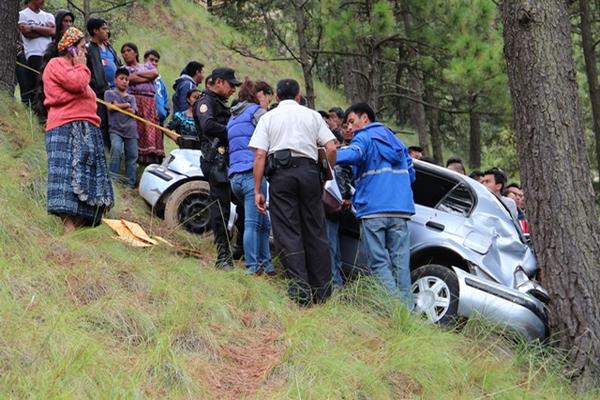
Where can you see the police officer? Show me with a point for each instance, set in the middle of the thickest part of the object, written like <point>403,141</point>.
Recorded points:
<point>211,114</point>
<point>289,135</point>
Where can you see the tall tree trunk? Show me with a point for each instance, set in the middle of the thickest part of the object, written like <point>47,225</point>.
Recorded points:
<point>9,11</point>
<point>474,136</point>
<point>591,71</point>
<point>415,83</point>
<point>305,59</point>
<point>209,6</point>
<point>556,175</point>
<point>433,115</point>
<point>87,11</point>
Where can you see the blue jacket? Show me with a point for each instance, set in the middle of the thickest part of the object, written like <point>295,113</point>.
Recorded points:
<point>240,128</point>
<point>162,100</point>
<point>383,171</point>
<point>181,87</point>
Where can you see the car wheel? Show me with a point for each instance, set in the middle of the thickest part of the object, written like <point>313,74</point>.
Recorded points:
<point>187,206</point>
<point>435,291</point>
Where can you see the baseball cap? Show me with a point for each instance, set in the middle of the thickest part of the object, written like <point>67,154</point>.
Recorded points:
<point>227,74</point>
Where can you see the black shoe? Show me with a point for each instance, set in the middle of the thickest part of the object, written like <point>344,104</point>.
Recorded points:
<point>237,253</point>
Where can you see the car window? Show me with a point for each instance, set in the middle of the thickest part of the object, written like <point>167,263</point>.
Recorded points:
<point>429,189</point>
<point>459,201</point>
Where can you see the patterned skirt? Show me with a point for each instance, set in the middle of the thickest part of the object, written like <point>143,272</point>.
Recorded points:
<point>78,182</point>
<point>150,142</point>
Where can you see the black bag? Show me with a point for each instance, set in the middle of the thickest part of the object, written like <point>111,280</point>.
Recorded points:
<point>281,159</point>
<point>218,170</point>
<point>214,166</point>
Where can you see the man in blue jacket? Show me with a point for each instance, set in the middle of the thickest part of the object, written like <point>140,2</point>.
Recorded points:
<point>383,172</point>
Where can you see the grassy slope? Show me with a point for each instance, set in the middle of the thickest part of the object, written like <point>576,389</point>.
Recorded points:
<point>188,32</point>
<point>84,316</point>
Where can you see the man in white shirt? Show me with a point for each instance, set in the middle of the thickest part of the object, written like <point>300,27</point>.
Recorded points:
<point>37,28</point>
<point>289,135</point>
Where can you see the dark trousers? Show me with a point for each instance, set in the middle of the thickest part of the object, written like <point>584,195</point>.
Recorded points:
<point>29,84</point>
<point>102,112</point>
<point>22,77</point>
<point>298,221</point>
<point>220,197</point>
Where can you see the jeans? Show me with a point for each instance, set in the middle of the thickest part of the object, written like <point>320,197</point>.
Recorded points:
<point>118,146</point>
<point>257,226</point>
<point>386,242</point>
<point>334,251</point>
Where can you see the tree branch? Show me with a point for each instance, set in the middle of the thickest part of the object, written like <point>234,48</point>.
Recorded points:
<point>113,7</point>
<point>434,106</point>
<point>284,43</point>
<point>70,3</point>
<point>244,52</point>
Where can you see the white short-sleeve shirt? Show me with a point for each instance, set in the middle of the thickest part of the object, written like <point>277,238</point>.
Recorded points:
<point>36,46</point>
<point>291,126</point>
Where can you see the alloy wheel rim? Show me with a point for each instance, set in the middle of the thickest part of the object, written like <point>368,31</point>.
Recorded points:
<point>432,297</point>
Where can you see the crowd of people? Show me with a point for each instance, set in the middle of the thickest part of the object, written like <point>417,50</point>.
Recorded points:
<point>244,145</point>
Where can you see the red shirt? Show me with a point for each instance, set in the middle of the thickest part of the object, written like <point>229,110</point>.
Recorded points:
<point>69,96</point>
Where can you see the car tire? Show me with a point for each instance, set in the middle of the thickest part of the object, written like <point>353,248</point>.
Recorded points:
<point>435,290</point>
<point>187,207</point>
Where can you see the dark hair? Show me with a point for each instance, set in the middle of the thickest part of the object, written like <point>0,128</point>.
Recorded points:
<point>151,52</point>
<point>287,89</point>
<point>191,68</point>
<point>58,22</point>
<point>262,86</point>
<point>513,185</point>
<point>247,91</point>
<point>93,24</point>
<point>454,160</point>
<point>208,81</point>
<point>191,92</point>
<point>133,47</point>
<point>323,113</point>
<point>415,148</point>
<point>121,71</point>
<point>338,111</point>
<point>476,174</point>
<point>499,176</point>
<point>360,109</point>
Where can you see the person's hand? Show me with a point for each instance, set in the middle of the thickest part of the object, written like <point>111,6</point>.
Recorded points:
<point>79,58</point>
<point>261,203</point>
<point>26,28</point>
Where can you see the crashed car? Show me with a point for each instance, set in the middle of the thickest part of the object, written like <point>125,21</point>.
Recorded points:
<point>468,255</point>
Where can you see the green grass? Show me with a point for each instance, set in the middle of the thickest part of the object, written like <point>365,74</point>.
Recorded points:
<point>188,32</point>
<point>85,316</point>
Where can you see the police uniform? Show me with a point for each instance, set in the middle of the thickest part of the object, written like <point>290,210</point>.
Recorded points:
<point>211,114</point>
<point>296,210</point>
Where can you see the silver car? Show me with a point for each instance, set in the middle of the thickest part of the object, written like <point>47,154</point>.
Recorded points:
<point>468,256</point>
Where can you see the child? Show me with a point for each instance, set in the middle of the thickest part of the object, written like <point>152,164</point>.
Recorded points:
<point>122,129</point>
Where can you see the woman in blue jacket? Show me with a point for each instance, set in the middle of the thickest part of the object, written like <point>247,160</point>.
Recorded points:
<point>254,98</point>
